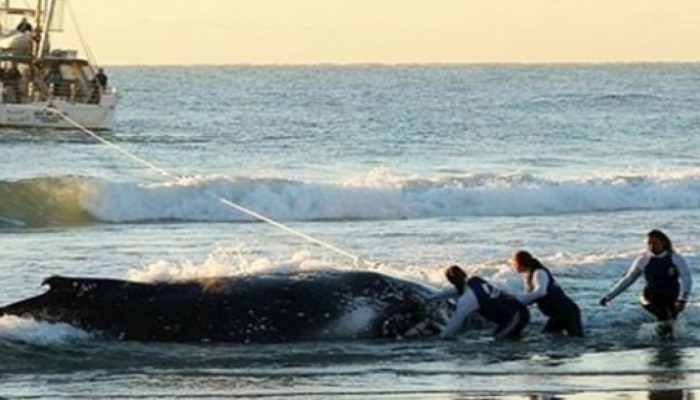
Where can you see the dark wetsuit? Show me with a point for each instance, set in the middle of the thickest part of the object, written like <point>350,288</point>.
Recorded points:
<point>24,26</point>
<point>662,288</point>
<point>563,313</point>
<point>101,79</point>
<point>506,311</point>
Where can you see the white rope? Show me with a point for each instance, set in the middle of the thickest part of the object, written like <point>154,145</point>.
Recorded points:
<point>356,260</point>
<point>110,144</point>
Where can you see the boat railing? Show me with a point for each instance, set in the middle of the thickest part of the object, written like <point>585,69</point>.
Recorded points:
<point>73,92</point>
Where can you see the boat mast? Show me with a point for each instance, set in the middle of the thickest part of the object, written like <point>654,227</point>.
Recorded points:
<point>44,15</point>
<point>36,40</point>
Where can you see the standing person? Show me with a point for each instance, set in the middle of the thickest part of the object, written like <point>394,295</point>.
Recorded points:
<point>55,82</point>
<point>668,281</point>
<point>476,294</point>
<point>101,79</point>
<point>11,81</point>
<point>99,85</point>
<point>541,288</point>
<point>24,26</point>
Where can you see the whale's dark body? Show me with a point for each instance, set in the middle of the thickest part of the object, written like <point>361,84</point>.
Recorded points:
<point>263,308</point>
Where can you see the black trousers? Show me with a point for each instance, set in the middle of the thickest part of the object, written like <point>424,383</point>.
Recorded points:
<point>512,328</point>
<point>565,316</point>
<point>662,307</point>
<point>569,322</point>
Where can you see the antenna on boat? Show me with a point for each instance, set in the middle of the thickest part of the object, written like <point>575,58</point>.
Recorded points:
<point>357,260</point>
<point>41,28</point>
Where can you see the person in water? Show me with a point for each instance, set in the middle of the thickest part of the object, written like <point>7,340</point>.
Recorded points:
<point>668,281</point>
<point>476,294</point>
<point>542,289</point>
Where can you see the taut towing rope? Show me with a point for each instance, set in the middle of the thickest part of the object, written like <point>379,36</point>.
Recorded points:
<point>358,261</point>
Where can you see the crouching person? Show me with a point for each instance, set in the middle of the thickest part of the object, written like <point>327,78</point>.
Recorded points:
<point>475,294</point>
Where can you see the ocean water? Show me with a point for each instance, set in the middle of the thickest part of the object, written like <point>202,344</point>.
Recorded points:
<point>400,169</point>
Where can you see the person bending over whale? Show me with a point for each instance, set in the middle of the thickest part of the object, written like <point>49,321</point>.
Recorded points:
<point>476,294</point>
<point>668,281</point>
<point>542,289</point>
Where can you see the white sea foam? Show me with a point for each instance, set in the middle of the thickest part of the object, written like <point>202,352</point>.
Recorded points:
<point>226,262</point>
<point>28,330</point>
<point>356,320</point>
<point>387,196</point>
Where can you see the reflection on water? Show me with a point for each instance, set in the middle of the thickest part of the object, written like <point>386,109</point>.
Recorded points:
<point>669,395</point>
<point>666,371</point>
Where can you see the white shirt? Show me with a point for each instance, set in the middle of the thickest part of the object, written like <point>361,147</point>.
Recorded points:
<point>467,303</point>
<point>540,279</point>
<point>637,269</point>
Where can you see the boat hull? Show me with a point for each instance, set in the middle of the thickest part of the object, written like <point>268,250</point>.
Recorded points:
<point>49,114</point>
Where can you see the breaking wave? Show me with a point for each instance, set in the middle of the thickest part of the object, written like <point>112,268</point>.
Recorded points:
<point>75,200</point>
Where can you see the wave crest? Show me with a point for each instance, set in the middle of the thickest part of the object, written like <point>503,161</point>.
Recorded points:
<point>58,201</point>
<point>45,201</point>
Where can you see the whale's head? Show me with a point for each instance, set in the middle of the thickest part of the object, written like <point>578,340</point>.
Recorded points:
<point>415,318</point>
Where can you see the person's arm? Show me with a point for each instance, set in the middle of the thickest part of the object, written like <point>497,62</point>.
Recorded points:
<point>466,305</point>
<point>447,292</point>
<point>541,283</point>
<point>686,279</point>
<point>634,272</point>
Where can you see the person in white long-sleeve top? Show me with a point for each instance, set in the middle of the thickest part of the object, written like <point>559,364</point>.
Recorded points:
<point>476,294</point>
<point>668,281</point>
<point>542,289</point>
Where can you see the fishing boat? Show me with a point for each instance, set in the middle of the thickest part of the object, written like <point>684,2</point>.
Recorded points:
<point>43,85</point>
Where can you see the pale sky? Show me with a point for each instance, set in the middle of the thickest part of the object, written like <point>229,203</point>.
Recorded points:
<point>387,31</point>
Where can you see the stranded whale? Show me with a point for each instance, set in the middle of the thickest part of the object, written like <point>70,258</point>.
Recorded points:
<point>258,308</point>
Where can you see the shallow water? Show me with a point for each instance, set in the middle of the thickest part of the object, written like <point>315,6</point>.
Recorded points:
<point>409,169</point>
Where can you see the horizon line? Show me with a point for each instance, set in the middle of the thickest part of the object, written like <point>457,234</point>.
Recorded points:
<point>402,64</point>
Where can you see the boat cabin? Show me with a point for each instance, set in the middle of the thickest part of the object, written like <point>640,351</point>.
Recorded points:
<point>58,75</point>
<point>36,75</point>
<point>28,75</point>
